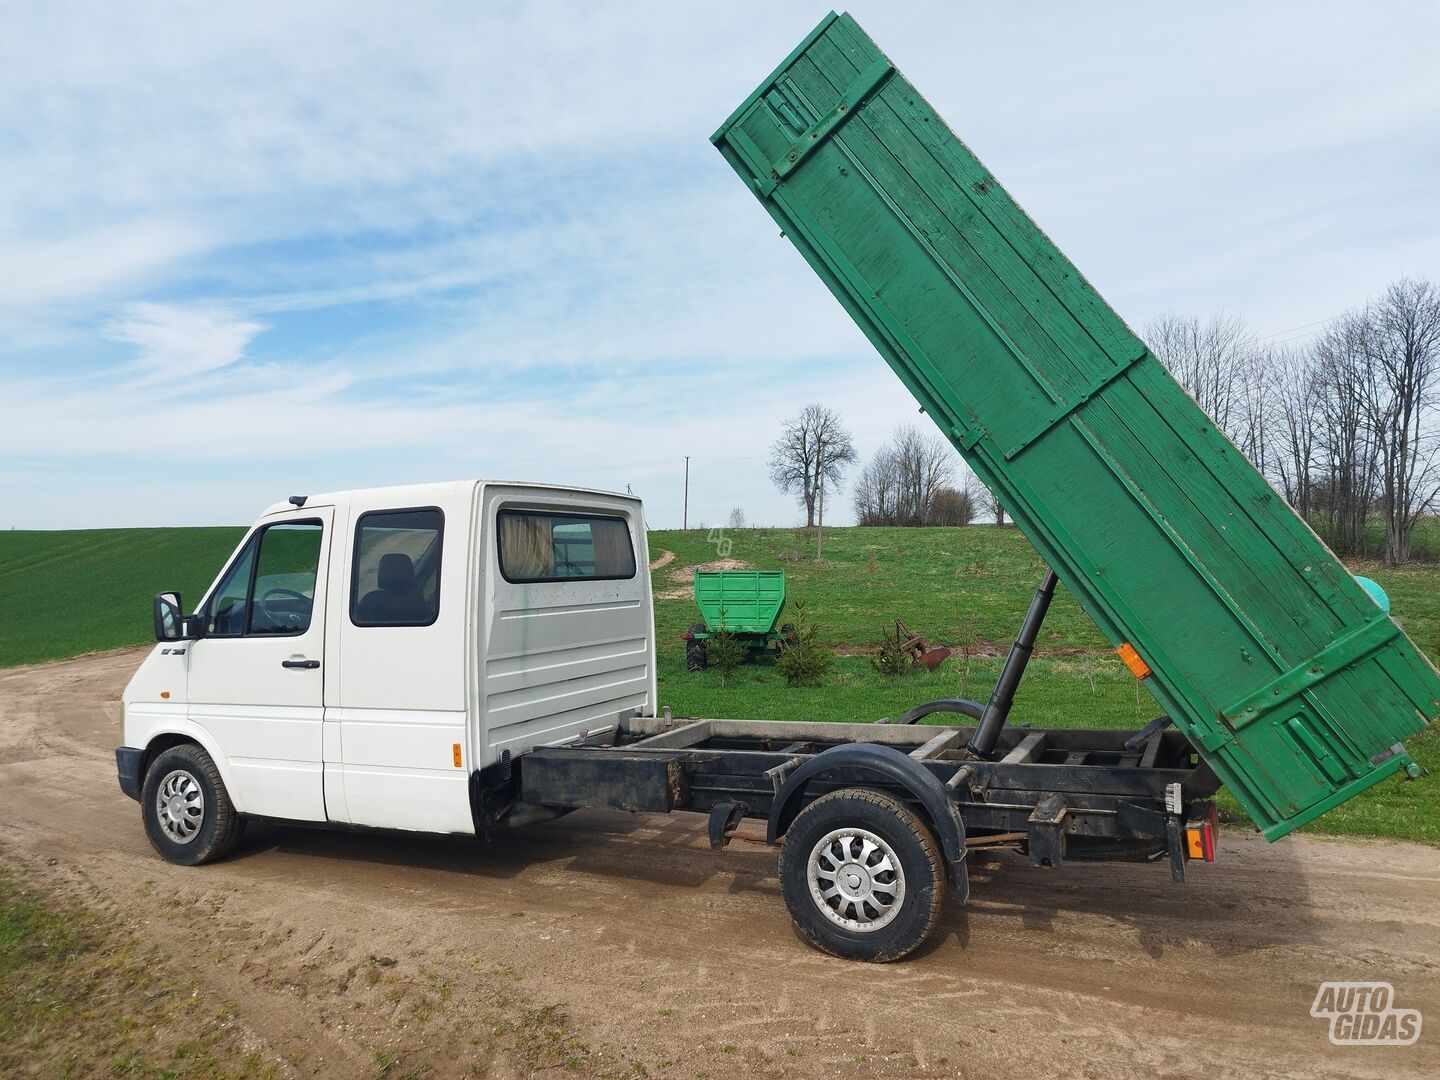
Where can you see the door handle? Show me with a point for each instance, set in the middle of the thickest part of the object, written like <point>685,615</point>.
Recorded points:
<point>306,664</point>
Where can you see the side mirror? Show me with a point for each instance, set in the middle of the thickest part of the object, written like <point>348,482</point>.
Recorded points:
<point>168,616</point>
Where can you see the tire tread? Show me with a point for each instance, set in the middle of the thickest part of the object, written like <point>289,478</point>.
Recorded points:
<point>229,826</point>
<point>913,827</point>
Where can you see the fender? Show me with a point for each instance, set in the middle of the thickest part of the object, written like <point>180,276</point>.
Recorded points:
<point>894,767</point>
<point>187,729</point>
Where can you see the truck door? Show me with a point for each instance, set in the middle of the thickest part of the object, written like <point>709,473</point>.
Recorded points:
<point>256,680</point>
<point>396,730</point>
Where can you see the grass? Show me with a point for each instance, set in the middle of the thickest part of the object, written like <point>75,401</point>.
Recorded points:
<point>79,999</point>
<point>970,587</point>
<point>66,593</point>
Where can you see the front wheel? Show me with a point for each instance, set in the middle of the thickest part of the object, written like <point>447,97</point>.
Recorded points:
<point>862,876</point>
<point>188,814</point>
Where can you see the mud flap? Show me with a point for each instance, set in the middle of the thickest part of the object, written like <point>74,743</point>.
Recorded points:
<point>724,818</point>
<point>1175,838</point>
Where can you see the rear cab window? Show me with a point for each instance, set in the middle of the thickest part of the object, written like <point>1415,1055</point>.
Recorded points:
<point>547,545</point>
<point>395,580</point>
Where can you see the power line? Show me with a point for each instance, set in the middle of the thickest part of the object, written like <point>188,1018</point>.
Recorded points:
<point>1293,329</point>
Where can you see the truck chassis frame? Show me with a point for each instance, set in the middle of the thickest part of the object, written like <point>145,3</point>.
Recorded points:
<point>1051,793</point>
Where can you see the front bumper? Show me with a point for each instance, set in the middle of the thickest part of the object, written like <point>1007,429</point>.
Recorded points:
<point>128,763</point>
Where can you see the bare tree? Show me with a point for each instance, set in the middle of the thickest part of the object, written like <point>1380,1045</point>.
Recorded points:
<point>1296,434</point>
<point>925,463</point>
<point>986,500</point>
<point>1345,488</point>
<point>899,485</point>
<point>1225,370</point>
<point>813,452</point>
<point>737,518</point>
<point>953,506</point>
<point>1403,348</point>
<point>877,492</point>
<point>1348,428</point>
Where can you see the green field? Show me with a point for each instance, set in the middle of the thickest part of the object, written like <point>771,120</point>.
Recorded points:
<point>66,593</point>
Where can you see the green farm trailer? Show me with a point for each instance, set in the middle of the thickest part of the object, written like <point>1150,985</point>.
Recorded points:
<point>1280,670</point>
<point>745,604</point>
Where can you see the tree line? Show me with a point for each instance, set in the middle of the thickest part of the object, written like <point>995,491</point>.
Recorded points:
<point>1345,426</point>
<point>915,478</point>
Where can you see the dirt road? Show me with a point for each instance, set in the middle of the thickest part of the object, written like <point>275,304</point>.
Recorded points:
<point>344,953</point>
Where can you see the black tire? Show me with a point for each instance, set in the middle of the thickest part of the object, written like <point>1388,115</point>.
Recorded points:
<point>695,658</point>
<point>921,874</point>
<point>213,826</point>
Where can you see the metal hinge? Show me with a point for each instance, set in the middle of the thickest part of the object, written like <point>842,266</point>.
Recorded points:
<point>869,81</point>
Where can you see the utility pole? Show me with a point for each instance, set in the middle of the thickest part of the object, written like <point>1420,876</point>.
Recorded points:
<point>820,514</point>
<point>685,513</point>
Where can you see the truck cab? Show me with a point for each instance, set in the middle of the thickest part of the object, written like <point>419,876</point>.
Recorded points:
<point>365,656</point>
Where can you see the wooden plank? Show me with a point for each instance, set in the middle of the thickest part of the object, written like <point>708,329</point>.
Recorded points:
<point>612,778</point>
<point>1028,749</point>
<point>1061,277</point>
<point>898,178</point>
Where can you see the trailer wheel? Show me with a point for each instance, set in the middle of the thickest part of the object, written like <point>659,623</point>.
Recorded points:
<point>188,813</point>
<point>862,876</point>
<point>695,659</point>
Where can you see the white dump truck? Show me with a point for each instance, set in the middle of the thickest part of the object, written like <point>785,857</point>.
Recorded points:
<point>462,657</point>
<point>459,657</point>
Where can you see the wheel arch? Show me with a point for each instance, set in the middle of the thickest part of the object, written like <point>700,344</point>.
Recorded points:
<point>179,735</point>
<point>890,765</point>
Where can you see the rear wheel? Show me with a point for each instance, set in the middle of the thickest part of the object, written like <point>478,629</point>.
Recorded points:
<point>862,876</point>
<point>188,814</point>
<point>695,658</point>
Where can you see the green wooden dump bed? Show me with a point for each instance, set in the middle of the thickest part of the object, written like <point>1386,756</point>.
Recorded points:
<point>1284,674</point>
<point>740,601</point>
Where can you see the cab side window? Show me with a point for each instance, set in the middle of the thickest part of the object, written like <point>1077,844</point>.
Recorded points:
<point>284,590</point>
<point>270,588</point>
<point>396,576</point>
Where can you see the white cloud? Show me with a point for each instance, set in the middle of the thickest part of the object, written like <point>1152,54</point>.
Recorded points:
<point>469,227</point>
<point>182,343</point>
<point>52,276</point>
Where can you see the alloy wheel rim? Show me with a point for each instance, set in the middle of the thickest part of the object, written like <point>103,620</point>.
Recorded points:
<point>856,880</point>
<point>180,806</point>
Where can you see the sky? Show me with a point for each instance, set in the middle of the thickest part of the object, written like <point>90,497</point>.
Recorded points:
<point>255,250</point>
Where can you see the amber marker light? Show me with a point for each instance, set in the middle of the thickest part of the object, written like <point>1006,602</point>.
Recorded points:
<point>1132,660</point>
